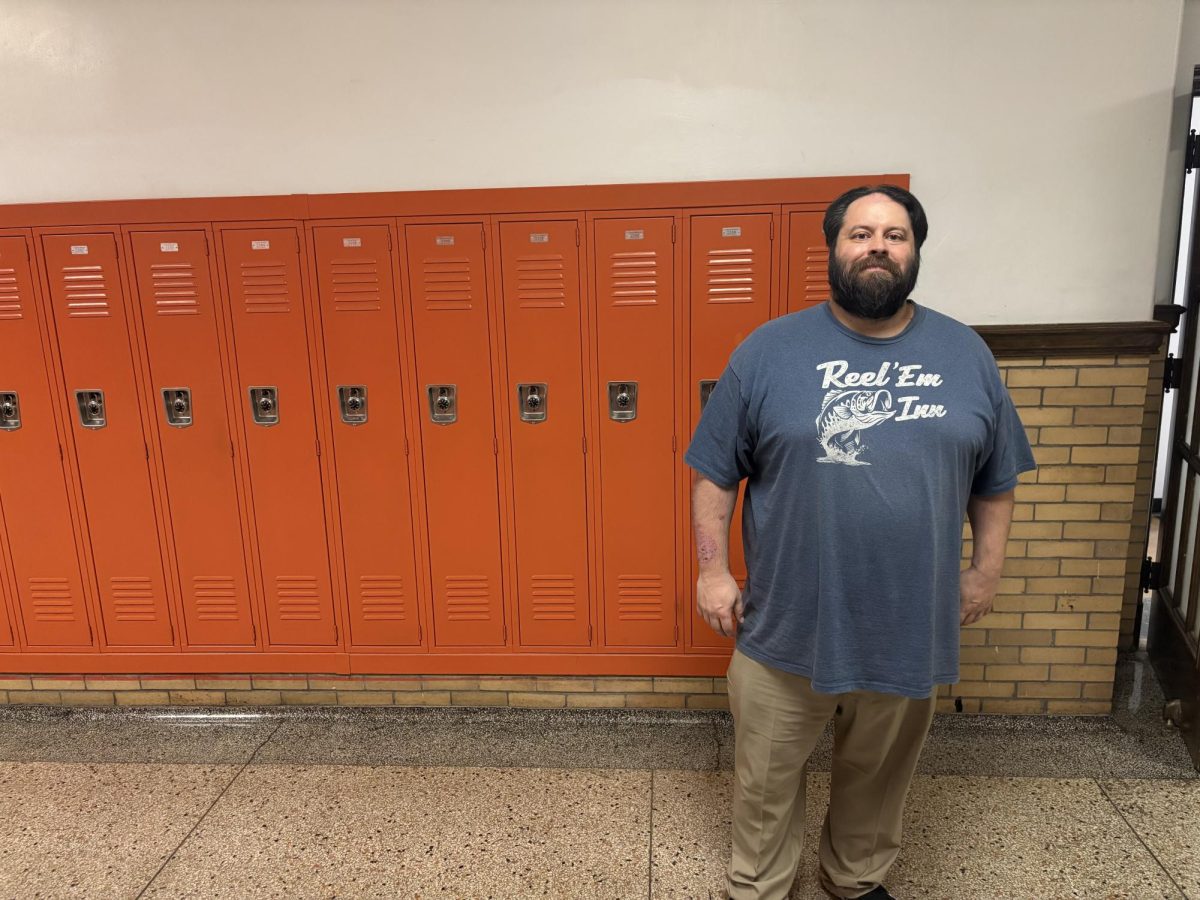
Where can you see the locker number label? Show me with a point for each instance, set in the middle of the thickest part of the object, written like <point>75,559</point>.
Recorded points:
<point>539,237</point>
<point>79,249</point>
<point>351,242</point>
<point>732,231</point>
<point>636,234</point>
<point>260,245</point>
<point>445,240</point>
<point>168,247</point>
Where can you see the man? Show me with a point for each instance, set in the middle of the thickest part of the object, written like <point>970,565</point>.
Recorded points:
<point>865,428</point>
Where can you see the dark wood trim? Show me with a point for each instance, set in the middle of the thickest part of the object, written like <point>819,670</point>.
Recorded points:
<point>1087,339</point>
<point>1170,649</point>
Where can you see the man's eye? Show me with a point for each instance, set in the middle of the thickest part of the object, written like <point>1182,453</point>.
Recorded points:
<point>895,236</point>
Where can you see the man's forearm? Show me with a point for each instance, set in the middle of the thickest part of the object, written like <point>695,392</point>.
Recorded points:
<point>991,520</point>
<point>712,509</point>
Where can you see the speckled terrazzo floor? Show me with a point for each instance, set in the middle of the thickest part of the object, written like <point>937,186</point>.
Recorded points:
<point>574,804</point>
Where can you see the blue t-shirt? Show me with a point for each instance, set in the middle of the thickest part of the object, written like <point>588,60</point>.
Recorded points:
<point>859,456</point>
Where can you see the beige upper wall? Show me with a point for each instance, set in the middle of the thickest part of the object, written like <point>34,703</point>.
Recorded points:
<point>1036,131</point>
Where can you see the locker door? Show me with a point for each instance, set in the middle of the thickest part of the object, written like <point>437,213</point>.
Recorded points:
<point>635,294</point>
<point>358,314</point>
<point>6,632</point>
<point>262,268</point>
<point>731,296</point>
<point>808,261</point>
<point>188,398</point>
<point>540,263</point>
<point>448,287</point>
<point>93,336</point>
<point>33,489</point>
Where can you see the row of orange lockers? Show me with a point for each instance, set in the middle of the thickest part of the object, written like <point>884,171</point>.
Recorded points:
<point>379,436</point>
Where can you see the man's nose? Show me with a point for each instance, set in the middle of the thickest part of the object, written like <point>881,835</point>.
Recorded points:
<point>877,246</point>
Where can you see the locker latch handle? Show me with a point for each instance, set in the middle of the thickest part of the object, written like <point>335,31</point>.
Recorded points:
<point>264,405</point>
<point>533,402</point>
<point>622,400</point>
<point>443,403</point>
<point>706,389</point>
<point>177,404</point>
<point>10,411</point>
<point>91,408</point>
<point>352,400</point>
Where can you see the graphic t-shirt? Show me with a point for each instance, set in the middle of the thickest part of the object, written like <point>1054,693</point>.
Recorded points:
<point>859,456</point>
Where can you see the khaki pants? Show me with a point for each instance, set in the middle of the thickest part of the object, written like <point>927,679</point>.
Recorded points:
<point>778,719</point>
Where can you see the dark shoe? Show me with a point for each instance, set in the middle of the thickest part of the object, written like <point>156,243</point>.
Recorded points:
<point>880,893</point>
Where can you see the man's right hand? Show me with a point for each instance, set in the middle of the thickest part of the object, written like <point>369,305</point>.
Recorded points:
<point>719,602</point>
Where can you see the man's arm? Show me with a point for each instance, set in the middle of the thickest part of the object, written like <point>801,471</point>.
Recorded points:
<point>718,598</point>
<point>991,519</point>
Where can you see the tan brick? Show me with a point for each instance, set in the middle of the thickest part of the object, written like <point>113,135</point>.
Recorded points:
<point>1098,691</point>
<point>167,683</point>
<point>365,698</point>
<point>625,685</point>
<point>1078,707</point>
<point>224,683</point>
<point>1092,567</point>
<point>1048,415</point>
<point>1040,377</point>
<point>1025,567</point>
<point>87,698</point>
<point>538,699</point>
<point>654,701</point>
<point>1108,415</point>
<point>1129,396</point>
<point>1120,474</point>
<point>1046,689</point>
<point>1019,362</point>
<point>1112,377</point>
<point>998,621</point>
<point>335,683</point>
<point>1026,396</point>
<point>1088,396</point>
<point>1014,707</point>
<point>1067,512</point>
<point>1068,549</point>
<point>142,698</point>
<point>1012,585</point>
<point>1112,550</point>
<point>1059,585</point>
<point>111,682</point>
<point>1114,531</point>
<point>683,685</point>
<point>35,697</point>
<point>989,654</point>
<point>990,688</point>
<point>1100,493</point>
<point>490,683</point>
<point>972,672</point>
<point>1070,474</point>
<point>15,683</point>
<point>1070,655</point>
<point>1085,603</point>
<point>565,685</point>
<point>308,698</point>
<point>1023,512</point>
<point>1080,673</point>
<point>252,698</point>
<point>1022,672</point>
<point>596,701</point>
<point>1125,435</point>
<point>1101,656</point>
<point>1082,362</point>
<point>971,638</point>
<point>1037,530</point>
<point>1133,359</point>
<point>1081,638</point>
<point>450,683</point>
<point>1055,620</point>
<point>1041,493</point>
<point>1074,435</point>
<point>1123,456</point>
<point>479,698</point>
<point>279,683</point>
<point>1051,456</point>
<point>58,683</point>
<point>707,701</point>
<point>391,683</point>
<point>197,698</point>
<point>421,698</point>
<point>720,685</point>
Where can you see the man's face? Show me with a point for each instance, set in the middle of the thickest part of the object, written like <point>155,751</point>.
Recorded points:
<point>874,264</point>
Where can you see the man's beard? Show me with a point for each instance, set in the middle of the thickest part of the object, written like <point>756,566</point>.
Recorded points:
<point>872,295</point>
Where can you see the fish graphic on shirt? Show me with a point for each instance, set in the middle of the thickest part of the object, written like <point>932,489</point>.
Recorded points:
<point>844,416</point>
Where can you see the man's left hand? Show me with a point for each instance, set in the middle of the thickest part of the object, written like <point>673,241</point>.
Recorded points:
<point>976,590</point>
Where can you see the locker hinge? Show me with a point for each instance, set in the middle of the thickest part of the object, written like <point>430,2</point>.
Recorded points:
<point>771,229</point>
<point>504,632</point>
<point>1172,372</point>
<point>674,444</point>
<point>318,447</point>
<point>1189,157</point>
<point>589,634</point>
<point>1151,575</point>
<point>672,232</point>
<point>585,445</point>
<point>576,235</point>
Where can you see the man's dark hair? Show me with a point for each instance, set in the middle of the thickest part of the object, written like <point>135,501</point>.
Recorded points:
<point>835,215</point>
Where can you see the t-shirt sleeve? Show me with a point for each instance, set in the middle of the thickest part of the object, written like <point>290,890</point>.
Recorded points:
<point>1009,454</point>
<point>722,447</point>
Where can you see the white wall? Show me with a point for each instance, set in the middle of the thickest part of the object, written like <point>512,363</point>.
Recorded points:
<point>1036,131</point>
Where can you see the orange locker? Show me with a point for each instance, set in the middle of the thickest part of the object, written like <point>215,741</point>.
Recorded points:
<point>731,278</point>
<point>93,337</point>
<point>808,261</point>
<point>542,325</point>
<point>449,299</point>
<point>188,396</point>
<point>359,324</point>
<point>262,269</point>
<point>635,314</point>
<point>6,632</point>
<point>49,597</point>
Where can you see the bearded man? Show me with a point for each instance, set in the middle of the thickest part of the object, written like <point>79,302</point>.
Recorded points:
<point>865,429</point>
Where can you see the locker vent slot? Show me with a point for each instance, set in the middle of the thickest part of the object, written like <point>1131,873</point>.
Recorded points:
<point>298,598</point>
<point>265,288</point>
<point>85,291</point>
<point>467,598</point>
<point>382,598</point>
<point>447,283</point>
<point>552,598</point>
<point>816,274</point>
<point>133,599</point>
<point>731,276</point>
<point>10,300</point>
<point>174,287</point>
<point>216,598</point>
<point>541,281</point>
<point>635,278</point>
<point>639,598</point>
<point>51,600</point>
<point>355,285</point>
